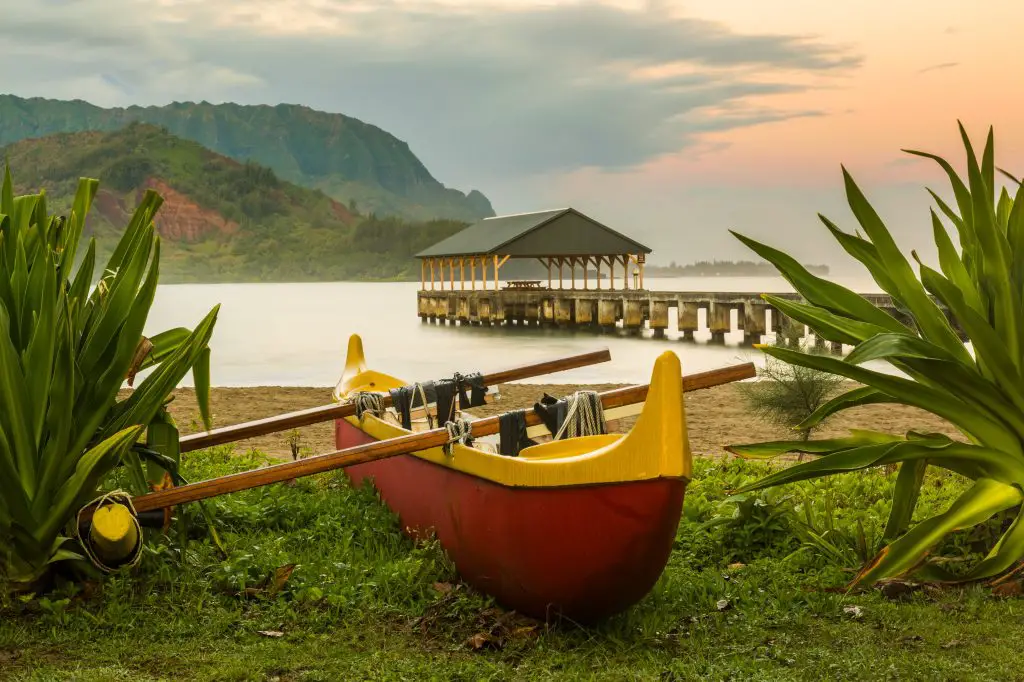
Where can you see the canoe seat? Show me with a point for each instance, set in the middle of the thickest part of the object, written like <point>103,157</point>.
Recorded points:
<point>556,449</point>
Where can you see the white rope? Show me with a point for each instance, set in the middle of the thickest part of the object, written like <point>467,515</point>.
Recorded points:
<point>459,431</point>
<point>585,416</point>
<point>114,496</point>
<point>423,399</point>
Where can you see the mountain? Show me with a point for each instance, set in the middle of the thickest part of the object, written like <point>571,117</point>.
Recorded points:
<point>348,159</point>
<point>222,220</point>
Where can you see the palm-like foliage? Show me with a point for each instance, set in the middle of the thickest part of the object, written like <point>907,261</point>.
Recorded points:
<point>66,348</point>
<point>981,287</point>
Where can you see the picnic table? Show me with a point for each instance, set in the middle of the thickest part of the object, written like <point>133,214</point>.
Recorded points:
<point>523,284</point>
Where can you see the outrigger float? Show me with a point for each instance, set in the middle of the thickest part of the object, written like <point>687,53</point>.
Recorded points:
<point>578,527</point>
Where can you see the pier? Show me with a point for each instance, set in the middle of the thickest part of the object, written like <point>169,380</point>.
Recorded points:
<point>720,313</point>
<point>594,280</point>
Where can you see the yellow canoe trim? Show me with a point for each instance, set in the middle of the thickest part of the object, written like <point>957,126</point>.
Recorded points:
<point>656,447</point>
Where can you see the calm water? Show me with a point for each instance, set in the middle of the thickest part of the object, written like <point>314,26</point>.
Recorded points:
<point>296,334</point>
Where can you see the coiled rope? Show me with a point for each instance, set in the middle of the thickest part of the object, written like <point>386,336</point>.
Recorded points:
<point>119,497</point>
<point>585,416</point>
<point>459,431</point>
<point>366,401</point>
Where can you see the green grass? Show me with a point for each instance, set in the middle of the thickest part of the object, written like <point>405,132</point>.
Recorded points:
<point>364,603</point>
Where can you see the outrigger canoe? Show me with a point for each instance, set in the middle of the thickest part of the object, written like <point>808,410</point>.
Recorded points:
<point>579,528</point>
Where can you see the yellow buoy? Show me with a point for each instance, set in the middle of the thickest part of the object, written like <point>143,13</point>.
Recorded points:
<point>114,534</point>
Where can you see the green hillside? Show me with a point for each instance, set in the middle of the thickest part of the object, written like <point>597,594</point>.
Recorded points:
<point>222,221</point>
<point>348,159</point>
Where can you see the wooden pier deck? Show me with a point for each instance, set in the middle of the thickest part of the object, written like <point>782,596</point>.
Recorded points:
<point>631,310</point>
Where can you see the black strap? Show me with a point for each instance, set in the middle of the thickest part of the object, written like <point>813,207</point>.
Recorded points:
<point>512,433</point>
<point>401,400</point>
<point>552,412</point>
<point>445,398</point>
<point>429,389</point>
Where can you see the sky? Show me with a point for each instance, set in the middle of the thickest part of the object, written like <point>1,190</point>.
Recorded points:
<point>672,121</point>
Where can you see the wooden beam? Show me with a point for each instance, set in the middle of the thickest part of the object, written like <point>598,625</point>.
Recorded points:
<point>431,274</point>
<point>549,273</point>
<point>625,273</point>
<point>440,270</point>
<point>423,274</point>
<point>586,263</point>
<point>462,273</point>
<point>496,266</point>
<point>483,271</point>
<point>611,272</point>
<point>472,272</point>
<point>323,413</point>
<point>451,274</point>
<point>413,442</point>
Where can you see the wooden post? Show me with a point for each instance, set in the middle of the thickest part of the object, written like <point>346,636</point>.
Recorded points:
<point>549,273</point>
<point>451,274</point>
<point>640,259</point>
<point>472,272</point>
<point>483,271</point>
<point>462,273</point>
<point>561,284</point>
<point>586,262</point>
<point>572,265</point>
<point>440,271</point>
<point>611,273</point>
<point>496,266</point>
<point>625,273</point>
<point>423,274</point>
<point>431,274</point>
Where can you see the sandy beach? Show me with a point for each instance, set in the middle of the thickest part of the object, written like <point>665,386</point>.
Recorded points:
<point>716,417</point>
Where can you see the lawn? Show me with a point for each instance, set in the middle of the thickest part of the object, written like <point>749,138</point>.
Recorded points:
<point>319,584</point>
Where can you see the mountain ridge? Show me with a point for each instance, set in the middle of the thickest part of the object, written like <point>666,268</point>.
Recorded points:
<point>222,220</point>
<point>351,160</point>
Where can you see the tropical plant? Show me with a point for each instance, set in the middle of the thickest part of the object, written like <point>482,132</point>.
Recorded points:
<point>979,290</point>
<point>787,394</point>
<point>66,348</point>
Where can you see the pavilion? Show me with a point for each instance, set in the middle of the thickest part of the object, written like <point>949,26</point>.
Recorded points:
<point>557,238</point>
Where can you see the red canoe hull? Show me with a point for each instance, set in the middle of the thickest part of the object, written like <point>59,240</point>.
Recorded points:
<point>583,552</point>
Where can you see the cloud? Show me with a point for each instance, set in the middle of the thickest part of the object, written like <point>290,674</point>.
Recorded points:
<point>938,67</point>
<point>481,92</point>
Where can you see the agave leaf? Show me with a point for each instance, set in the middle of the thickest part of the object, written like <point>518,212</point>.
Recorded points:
<point>13,417</point>
<point>929,318</point>
<point>867,253</point>
<point>985,498</point>
<point>971,420</point>
<point>953,267</point>
<point>92,466</point>
<point>821,292</point>
<point>989,349</point>
<point>904,497</point>
<point>822,446</point>
<point>831,327</point>
<point>863,395</point>
<point>201,379</point>
<point>144,402</point>
<point>84,196</point>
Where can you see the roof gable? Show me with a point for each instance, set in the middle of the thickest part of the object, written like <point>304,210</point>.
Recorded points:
<point>563,231</point>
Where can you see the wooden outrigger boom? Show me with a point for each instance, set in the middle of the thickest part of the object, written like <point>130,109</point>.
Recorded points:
<point>324,413</point>
<point>360,454</point>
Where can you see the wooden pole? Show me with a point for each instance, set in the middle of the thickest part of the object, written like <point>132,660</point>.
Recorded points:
<point>440,273</point>
<point>472,272</point>
<point>549,273</point>
<point>451,274</point>
<point>625,273</point>
<point>483,271</point>
<point>323,413</point>
<point>586,263</point>
<point>597,263</point>
<point>561,279</point>
<point>611,273</point>
<point>401,445</point>
<point>462,273</point>
<point>431,274</point>
<point>423,274</point>
<point>641,259</point>
<point>496,266</point>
